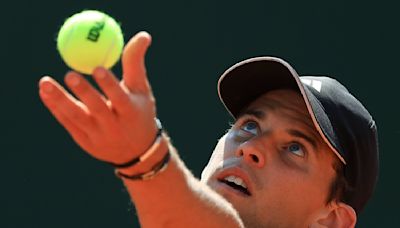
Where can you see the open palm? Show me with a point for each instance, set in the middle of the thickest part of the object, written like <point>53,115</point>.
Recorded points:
<point>116,126</point>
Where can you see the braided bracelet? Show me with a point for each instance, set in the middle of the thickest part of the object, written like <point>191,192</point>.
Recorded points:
<point>156,169</point>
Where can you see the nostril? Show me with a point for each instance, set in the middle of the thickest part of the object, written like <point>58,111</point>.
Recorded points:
<point>254,158</point>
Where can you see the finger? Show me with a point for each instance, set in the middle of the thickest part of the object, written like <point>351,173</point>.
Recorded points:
<point>133,63</point>
<point>79,136</point>
<point>110,85</point>
<point>55,97</point>
<point>94,101</point>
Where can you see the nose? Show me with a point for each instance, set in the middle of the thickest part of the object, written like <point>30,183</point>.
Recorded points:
<point>251,153</point>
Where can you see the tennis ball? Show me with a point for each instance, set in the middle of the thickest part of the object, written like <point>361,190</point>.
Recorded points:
<point>90,39</point>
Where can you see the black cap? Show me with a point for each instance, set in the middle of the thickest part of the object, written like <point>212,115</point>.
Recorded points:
<point>341,120</point>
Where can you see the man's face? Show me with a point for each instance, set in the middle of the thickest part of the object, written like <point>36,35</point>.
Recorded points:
<point>274,152</point>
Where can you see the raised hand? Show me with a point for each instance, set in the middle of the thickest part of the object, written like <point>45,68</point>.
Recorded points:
<point>116,126</point>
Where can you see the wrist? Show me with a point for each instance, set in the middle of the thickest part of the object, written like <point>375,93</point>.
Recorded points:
<point>147,153</point>
<point>152,165</point>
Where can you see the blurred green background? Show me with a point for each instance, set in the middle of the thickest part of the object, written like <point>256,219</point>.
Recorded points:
<point>47,181</point>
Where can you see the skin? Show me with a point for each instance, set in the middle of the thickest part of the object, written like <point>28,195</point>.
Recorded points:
<point>286,164</point>
<point>118,125</point>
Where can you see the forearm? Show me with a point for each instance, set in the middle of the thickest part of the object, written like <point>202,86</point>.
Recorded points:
<point>103,124</point>
<point>175,198</point>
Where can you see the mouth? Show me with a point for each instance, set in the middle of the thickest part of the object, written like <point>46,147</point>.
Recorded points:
<point>236,183</point>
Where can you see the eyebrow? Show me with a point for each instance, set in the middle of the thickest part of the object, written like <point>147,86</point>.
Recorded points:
<point>300,134</point>
<point>261,115</point>
<point>253,112</point>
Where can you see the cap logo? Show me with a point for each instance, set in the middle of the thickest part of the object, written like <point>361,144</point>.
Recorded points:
<point>316,84</point>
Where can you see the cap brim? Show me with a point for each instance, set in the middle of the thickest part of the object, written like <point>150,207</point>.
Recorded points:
<point>245,81</point>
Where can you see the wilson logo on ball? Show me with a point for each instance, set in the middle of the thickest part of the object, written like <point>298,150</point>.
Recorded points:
<point>94,32</point>
<point>90,39</point>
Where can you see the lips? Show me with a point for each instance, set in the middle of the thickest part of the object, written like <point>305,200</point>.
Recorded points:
<point>236,183</point>
<point>236,179</point>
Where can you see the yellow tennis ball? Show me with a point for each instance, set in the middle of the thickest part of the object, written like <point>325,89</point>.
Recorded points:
<point>90,39</point>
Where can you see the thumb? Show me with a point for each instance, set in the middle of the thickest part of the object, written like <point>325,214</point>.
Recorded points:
<point>133,63</point>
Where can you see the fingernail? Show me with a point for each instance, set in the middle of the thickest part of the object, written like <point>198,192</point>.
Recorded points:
<point>47,87</point>
<point>74,80</point>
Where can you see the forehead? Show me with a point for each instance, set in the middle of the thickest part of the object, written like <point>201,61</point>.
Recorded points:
<point>285,100</point>
<point>290,109</point>
<point>285,103</point>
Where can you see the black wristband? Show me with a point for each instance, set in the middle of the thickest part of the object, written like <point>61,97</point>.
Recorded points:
<point>156,169</point>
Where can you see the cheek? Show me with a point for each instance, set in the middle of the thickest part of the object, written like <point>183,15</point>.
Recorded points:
<point>310,183</point>
<point>215,160</point>
<point>229,145</point>
<point>324,177</point>
<point>293,192</point>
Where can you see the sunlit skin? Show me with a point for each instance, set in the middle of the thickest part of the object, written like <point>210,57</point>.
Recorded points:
<point>118,125</point>
<point>287,167</point>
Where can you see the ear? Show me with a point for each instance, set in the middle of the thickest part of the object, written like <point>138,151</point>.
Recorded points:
<point>336,215</point>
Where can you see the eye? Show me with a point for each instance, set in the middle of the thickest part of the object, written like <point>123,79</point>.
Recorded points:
<point>245,129</point>
<point>296,148</point>
<point>250,127</point>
